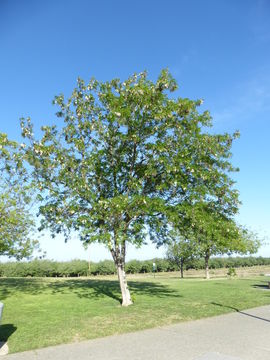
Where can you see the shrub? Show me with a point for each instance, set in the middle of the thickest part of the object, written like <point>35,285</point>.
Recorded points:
<point>105,267</point>
<point>231,272</point>
<point>133,267</point>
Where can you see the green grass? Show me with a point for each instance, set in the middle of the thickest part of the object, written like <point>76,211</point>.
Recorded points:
<point>43,312</point>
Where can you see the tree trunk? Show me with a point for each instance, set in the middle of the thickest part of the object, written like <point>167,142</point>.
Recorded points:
<point>182,268</point>
<point>119,255</point>
<point>206,258</point>
<point>126,298</point>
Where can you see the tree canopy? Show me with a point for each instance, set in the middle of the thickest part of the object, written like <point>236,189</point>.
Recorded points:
<point>16,221</point>
<point>214,231</point>
<point>127,159</point>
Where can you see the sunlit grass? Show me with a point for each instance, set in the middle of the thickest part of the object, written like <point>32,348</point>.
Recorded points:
<point>43,312</point>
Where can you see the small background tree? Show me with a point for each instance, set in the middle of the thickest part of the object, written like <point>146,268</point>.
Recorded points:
<point>217,234</point>
<point>181,250</point>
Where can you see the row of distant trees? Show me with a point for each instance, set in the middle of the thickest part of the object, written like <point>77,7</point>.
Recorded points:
<point>125,160</point>
<point>185,252</point>
<point>77,268</point>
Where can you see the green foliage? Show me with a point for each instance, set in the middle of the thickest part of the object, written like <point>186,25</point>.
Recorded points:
<point>162,265</point>
<point>77,268</point>
<point>133,267</point>
<point>180,250</point>
<point>74,268</point>
<point>105,267</point>
<point>212,230</point>
<point>128,157</point>
<point>16,222</point>
<point>146,267</point>
<point>231,272</point>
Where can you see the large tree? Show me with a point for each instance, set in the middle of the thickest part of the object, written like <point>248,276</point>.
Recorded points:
<point>123,156</point>
<point>16,220</point>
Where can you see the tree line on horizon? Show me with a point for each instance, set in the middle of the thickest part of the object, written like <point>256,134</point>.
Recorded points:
<point>125,160</point>
<point>78,268</point>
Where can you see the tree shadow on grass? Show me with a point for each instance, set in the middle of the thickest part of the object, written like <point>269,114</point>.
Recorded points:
<point>241,312</point>
<point>94,289</point>
<point>261,286</point>
<point>153,289</point>
<point>88,289</point>
<point>10,286</point>
<point>264,285</point>
<point>6,331</point>
<point>85,288</point>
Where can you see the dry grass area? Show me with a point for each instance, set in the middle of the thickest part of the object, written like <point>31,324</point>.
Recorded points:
<point>214,273</point>
<point>240,272</point>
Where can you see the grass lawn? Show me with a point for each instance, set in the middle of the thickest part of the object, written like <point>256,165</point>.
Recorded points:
<point>42,312</point>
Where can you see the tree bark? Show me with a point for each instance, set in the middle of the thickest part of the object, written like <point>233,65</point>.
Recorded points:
<point>182,268</point>
<point>126,298</point>
<point>119,255</point>
<point>206,258</point>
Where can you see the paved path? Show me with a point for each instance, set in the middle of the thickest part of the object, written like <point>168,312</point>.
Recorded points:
<point>243,335</point>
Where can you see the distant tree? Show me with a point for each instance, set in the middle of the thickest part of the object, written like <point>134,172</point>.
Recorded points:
<point>216,233</point>
<point>16,221</point>
<point>180,250</point>
<point>125,157</point>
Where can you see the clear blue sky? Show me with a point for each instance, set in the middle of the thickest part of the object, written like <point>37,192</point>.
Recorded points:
<point>217,50</point>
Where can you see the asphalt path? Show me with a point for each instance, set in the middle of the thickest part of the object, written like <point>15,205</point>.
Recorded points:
<point>241,335</point>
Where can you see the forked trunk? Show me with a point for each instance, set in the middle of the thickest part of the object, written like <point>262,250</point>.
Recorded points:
<point>207,275</point>
<point>126,298</point>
